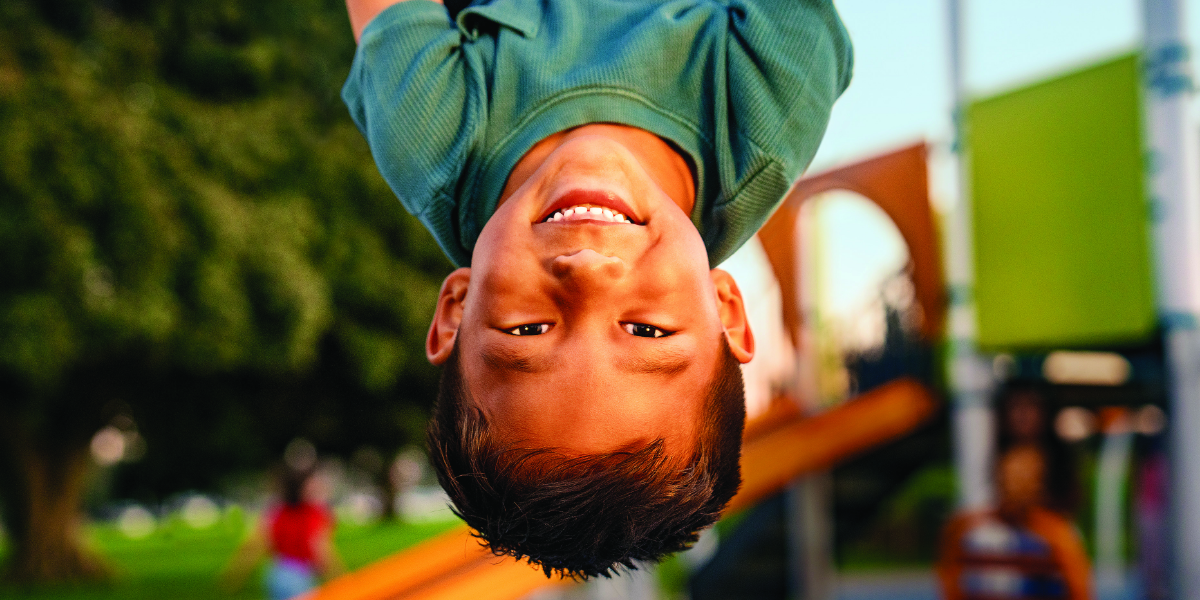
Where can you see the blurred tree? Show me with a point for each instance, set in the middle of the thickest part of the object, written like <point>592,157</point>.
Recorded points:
<point>192,236</point>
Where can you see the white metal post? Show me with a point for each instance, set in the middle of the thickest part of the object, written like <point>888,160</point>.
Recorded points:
<point>809,518</point>
<point>1112,477</point>
<point>969,373</point>
<point>809,500</point>
<point>1174,182</point>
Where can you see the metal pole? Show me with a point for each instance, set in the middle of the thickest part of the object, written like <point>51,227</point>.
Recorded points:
<point>1112,477</point>
<point>969,373</point>
<point>809,502</point>
<point>1174,159</point>
<point>809,519</point>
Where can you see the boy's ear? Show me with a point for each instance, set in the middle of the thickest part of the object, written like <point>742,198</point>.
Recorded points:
<point>443,331</point>
<point>733,316</point>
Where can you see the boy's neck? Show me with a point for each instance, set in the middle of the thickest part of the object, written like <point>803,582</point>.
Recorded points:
<point>669,169</point>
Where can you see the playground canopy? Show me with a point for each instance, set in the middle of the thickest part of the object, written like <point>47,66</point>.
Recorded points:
<point>1062,239</point>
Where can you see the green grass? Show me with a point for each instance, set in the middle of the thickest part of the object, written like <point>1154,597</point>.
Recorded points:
<point>181,563</point>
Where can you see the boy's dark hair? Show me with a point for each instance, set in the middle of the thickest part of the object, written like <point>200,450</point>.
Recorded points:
<point>584,516</point>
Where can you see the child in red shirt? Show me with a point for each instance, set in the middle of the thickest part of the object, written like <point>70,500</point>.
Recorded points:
<point>297,533</point>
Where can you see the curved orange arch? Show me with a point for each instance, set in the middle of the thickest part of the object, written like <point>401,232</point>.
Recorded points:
<point>898,183</point>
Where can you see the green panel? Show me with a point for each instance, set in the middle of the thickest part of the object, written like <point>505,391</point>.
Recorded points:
<point>1062,251</point>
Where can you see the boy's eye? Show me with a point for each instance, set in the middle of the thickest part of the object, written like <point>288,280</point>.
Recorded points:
<point>644,330</point>
<point>530,329</point>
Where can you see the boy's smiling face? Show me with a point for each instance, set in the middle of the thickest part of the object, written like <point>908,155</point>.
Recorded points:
<point>589,320</point>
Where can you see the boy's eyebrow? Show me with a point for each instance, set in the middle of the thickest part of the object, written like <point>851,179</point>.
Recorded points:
<point>664,361</point>
<point>498,356</point>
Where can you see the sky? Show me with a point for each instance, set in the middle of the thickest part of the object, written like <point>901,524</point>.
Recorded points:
<point>901,94</point>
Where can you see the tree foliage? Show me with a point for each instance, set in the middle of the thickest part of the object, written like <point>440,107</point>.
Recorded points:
<point>193,233</point>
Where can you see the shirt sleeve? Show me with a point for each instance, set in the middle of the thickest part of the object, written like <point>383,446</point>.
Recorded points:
<point>787,61</point>
<point>407,92</point>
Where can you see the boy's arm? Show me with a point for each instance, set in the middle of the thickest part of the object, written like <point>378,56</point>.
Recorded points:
<point>362,11</point>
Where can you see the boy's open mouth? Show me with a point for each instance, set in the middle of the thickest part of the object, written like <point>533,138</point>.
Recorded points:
<point>592,206</point>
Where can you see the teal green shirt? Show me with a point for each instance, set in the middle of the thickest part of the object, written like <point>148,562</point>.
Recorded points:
<point>744,87</point>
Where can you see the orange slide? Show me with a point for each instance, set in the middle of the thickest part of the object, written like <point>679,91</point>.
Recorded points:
<point>779,446</point>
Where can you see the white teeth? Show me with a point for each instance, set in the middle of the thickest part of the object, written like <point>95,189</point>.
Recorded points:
<point>589,212</point>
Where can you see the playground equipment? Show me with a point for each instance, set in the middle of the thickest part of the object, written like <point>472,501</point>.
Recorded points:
<point>779,446</point>
<point>1062,250</point>
<point>1079,142</point>
<point>1175,184</point>
<point>897,182</point>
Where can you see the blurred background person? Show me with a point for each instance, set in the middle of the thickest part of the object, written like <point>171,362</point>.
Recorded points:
<point>1019,549</point>
<point>297,535</point>
<point>1026,420</point>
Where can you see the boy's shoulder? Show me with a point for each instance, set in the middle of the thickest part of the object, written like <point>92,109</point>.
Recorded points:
<point>449,107</point>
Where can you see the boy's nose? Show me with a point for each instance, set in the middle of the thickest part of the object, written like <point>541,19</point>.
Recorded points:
<point>589,269</point>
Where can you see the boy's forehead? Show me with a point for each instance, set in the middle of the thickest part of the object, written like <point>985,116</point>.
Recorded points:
<point>607,421</point>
